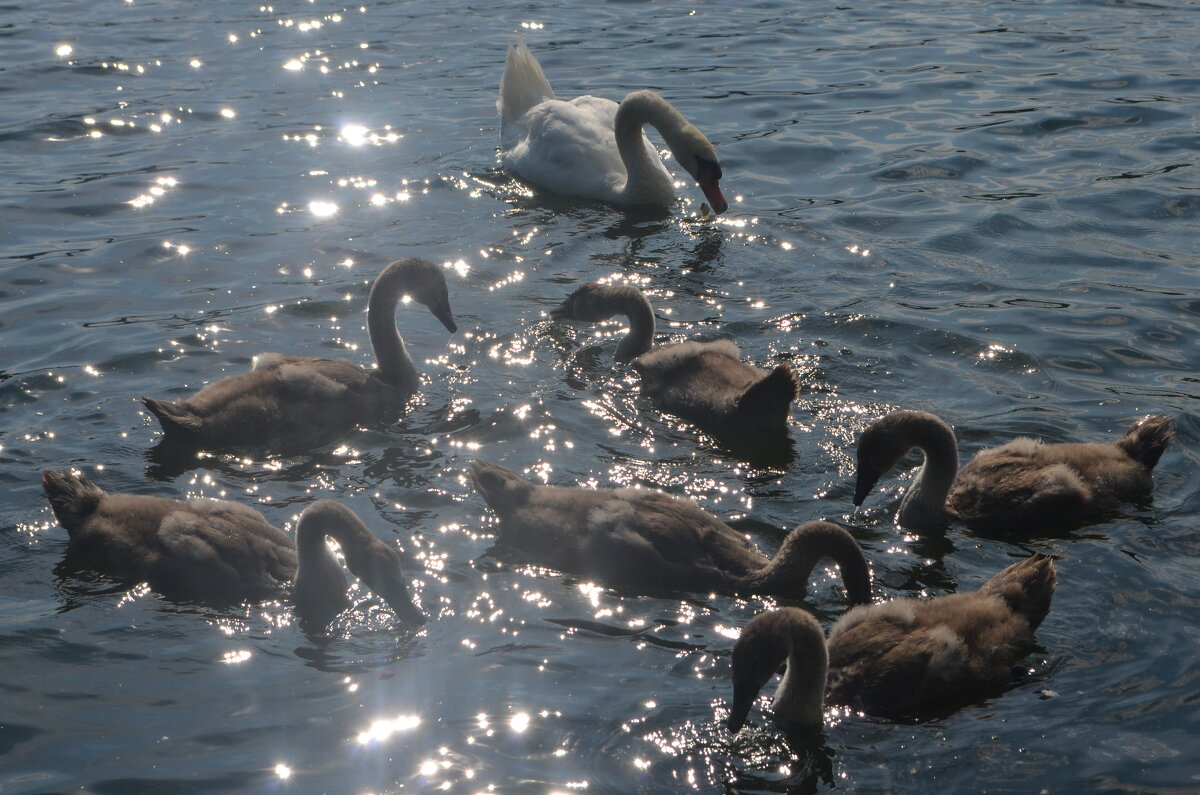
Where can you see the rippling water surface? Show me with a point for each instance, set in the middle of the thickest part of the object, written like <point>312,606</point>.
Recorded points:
<point>984,209</point>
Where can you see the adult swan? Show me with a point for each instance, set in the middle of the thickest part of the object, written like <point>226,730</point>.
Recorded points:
<point>593,147</point>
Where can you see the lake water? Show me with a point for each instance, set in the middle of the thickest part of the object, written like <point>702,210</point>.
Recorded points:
<point>989,210</point>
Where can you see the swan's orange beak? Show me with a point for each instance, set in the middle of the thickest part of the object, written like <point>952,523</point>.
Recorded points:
<point>708,176</point>
<point>712,191</point>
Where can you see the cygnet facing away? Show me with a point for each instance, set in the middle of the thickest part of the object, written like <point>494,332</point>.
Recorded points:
<point>1020,487</point>
<point>705,383</point>
<point>647,540</point>
<point>894,659</point>
<point>217,551</point>
<point>289,404</point>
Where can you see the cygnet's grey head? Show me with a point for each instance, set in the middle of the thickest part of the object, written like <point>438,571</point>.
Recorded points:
<point>421,280</point>
<point>591,303</point>
<point>502,489</point>
<point>882,445</point>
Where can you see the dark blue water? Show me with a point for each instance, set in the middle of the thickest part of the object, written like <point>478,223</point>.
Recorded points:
<point>988,210</point>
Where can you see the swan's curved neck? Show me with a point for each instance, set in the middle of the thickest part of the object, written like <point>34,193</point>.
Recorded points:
<point>924,505</point>
<point>630,302</point>
<point>396,366</point>
<point>787,574</point>
<point>646,178</point>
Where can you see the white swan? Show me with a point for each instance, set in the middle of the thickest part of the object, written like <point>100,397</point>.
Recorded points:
<point>703,382</point>
<point>218,551</point>
<point>897,658</point>
<point>594,148</point>
<point>1022,486</point>
<point>289,404</point>
<point>645,539</point>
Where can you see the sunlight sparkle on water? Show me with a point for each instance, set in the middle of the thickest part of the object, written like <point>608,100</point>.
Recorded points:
<point>63,50</point>
<point>230,657</point>
<point>283,771</point>
<point>156,190</point>
<point>354,134</point>
<point>519,722</point>
<point>322,209</point>
<point>384,728</point>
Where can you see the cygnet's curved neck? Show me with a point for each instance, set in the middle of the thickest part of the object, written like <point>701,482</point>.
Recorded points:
<point>320,589</point>
<point>396,366</point>
<point>787,573</point>
<point>800,697</point>
<point>630,302</point>
<point>786,635</point>
<point>647,180</point>
<point>924,505</point>
<point>368,558</point>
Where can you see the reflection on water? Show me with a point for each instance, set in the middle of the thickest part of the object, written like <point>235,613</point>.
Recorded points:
<point>985,211</point>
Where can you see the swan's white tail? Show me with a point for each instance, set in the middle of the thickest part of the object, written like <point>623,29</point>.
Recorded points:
<point>522,85</point>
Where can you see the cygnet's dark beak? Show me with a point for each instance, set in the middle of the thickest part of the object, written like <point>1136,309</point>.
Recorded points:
<point>867,478</point>
<point>744,695</point>
<point>562,311</point>
<point>402,604</point>
<point>708,176</point>
<point>502,489</point>
<point>441,310</point>
<point>489,480</point>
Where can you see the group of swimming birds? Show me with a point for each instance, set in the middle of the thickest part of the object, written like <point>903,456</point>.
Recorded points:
<point>889,658</point>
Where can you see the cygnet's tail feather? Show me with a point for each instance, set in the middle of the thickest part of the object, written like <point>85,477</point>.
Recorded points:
<point>522,85</point>
<point>176,419</point>
<point>1146,441</point>
<point>1027,585</point>
<point>772,395</point>
<point>73,498</point>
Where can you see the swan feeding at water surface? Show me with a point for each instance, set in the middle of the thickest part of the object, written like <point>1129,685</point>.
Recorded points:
<point>289,404</point>
<point>1019,487</point>
<point>893,659</point>
<point>594,148</point>
<point>217,551</point>
<point>649,541</point>
<point>706,383</point>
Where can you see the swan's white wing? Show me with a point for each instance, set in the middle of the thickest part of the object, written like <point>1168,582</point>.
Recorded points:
<point>568,148</point>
